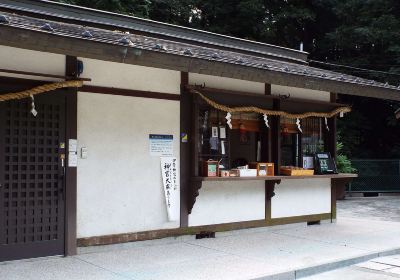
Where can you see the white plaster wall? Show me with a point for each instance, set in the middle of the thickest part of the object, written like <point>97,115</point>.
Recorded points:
<point>31,61</point>
<point>226,83</point>
<point>119,75</point>
<point>119,184</point>
<point>226,202</point>
<point>301,93</point>
<point>297,197</point>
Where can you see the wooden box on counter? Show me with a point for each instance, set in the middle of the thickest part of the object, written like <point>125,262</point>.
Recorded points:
<point>210,168</point>
<point>263,168</point>
<point>296,171</point>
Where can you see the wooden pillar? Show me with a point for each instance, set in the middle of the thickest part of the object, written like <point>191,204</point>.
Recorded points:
<point>337,190</point>
<point>267,155</point>
<point>276,137</point>
<point>71,172</point>
<point>331,135</point>
<point>185,149</point>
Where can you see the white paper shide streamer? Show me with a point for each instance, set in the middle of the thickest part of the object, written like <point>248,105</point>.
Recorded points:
<point>326,124</point>
<point>266,120</point>
<point>33,110</point>
<point>298,125</point>
<point>229,120</point>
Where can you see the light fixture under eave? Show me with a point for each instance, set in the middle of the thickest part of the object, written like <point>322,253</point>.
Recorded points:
<point>4,19</point>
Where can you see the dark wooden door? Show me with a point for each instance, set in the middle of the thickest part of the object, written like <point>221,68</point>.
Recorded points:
<point>32,177</point>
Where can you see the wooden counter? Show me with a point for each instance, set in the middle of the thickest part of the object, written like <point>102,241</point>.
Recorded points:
<point>337,180</point>
<point>274,178</point>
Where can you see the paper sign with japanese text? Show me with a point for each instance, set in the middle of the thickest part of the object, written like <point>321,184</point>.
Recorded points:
<point>170,177</point>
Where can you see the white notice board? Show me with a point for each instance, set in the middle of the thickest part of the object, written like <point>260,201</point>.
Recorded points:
<point>161,145</point>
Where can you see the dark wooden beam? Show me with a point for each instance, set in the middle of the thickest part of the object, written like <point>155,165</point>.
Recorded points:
<point>300,219</point>
<point>42,41</point>
<point>276,138</point>
<point>163,233</point>
<point>71,172</point>
<point>332,123</point>
<point>34,74</point>
<point>129,92</point>
<point>19,83</point>
<point>268,89</point>
<point>185,149</point>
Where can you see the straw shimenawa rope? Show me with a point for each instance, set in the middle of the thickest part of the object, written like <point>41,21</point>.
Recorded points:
<point>40,89</point>
<point>224,108</point>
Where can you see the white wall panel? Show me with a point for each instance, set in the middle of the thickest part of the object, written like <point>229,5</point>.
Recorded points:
<point>227,202</point>
<point>119,75</point>
<point>119,184</point>
<point>301,197</point>
<point>31,61</point>
<point>301,93</point>
<point>226,83</point>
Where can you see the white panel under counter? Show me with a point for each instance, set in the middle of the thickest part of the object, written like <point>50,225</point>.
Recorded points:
<point>298,197</point>
<point>228,202</point>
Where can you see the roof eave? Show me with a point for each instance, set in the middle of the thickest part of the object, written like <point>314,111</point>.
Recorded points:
<point>39,41</point>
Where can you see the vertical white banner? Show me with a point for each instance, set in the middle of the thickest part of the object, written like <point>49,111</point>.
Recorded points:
<point>170,177</point>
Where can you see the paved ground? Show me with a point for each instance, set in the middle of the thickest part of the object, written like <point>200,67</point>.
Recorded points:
<point>384,208</point>
<point>385,268</point>
<point>286,252</point>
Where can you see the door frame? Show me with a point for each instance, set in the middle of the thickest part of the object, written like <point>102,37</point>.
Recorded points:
<point>71,126</point>
<point>70,179</point>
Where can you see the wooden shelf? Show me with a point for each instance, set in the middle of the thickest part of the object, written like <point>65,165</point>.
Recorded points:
<point>274,178</point>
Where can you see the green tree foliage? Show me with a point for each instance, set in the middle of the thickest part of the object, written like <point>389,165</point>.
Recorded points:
<point>361,33</point>
<point>343,163</point>
<point>138,8</point>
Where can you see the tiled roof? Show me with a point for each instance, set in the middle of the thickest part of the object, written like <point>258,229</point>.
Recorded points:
<point>111,21</point>
<point>140,42</point>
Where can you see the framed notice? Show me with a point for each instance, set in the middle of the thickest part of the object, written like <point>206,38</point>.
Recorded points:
<point>161,145</point>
